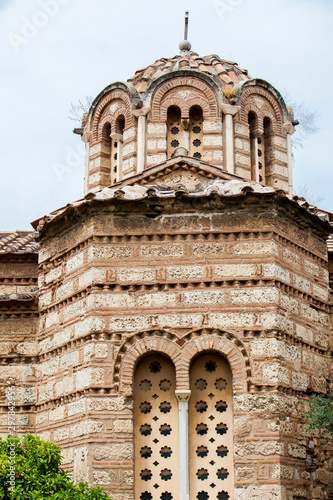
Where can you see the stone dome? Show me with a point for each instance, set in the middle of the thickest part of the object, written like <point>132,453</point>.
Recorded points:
<point>225,73</point>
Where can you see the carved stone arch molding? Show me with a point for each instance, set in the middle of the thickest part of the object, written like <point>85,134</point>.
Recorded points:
<point>181,351</point>
<point>126,110</point>
<point>200,91</point>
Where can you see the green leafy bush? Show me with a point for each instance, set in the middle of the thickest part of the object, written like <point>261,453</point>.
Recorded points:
<point>320,416</point>
<point>30,469</point>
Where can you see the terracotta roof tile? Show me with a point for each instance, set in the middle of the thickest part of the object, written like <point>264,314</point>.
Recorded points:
<point>226,78</point>
<point>212,65</point>
<point>142,86</point>
<point>18,242</point>
<point>227,188</point>
<point>233,76</point>
<point>27,297</point>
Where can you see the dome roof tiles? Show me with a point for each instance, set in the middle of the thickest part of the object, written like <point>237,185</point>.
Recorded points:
<point>226,72</point>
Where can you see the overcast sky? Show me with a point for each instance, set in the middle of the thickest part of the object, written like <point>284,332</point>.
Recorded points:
<point>55,52</point>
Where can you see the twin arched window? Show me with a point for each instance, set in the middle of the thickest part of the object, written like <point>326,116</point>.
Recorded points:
<point>158,430</point>
<point>186,133</point>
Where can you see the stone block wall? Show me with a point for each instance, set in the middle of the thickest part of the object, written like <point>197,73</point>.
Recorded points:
<point>129,151</point>
<point>246,278</point>
<point>156,143</point>
<point>18,346</point>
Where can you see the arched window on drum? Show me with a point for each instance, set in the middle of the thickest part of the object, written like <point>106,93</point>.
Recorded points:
<point>268,150</point>
<point>196,132</point>
<point>117,151</point>
<point>107,151</point>
<point>252,120</point>
<point>174,130</point>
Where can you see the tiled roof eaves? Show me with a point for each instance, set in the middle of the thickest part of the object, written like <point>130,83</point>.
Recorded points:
<point>227,189</point>
<point>18,242</point>
<point>18,297</point>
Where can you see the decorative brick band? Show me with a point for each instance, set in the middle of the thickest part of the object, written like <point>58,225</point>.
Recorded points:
<point>182,351</point>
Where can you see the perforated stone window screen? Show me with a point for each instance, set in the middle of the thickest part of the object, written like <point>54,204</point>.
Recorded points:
<point>156,430</point>
<point>268,150</point>
<point>211,430</point>
<point>175,130</point>
<point>114,161</point>
<point>261,160</point>
<point>196,133</point>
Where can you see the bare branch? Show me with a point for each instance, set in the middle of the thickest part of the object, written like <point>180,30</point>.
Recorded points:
<point>78,111</point>
<point>307,118</point>
<point>303,192</point>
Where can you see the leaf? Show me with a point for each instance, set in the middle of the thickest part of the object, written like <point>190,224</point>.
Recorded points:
<point>39,474</point>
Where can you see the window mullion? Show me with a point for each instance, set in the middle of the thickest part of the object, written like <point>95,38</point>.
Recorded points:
<point>183,399</point>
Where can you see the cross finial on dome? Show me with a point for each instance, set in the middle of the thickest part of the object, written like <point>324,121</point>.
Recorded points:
<point>185,45</point>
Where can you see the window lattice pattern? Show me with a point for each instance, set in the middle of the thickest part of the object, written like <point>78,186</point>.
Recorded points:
<point>261,160</point>
<point>210,430</point>
<point>268,150</point>
<point>114,162</point>
<point>253,145</point>
<point>156,430</point>
<point>196,119</point>
<point>175,130</point>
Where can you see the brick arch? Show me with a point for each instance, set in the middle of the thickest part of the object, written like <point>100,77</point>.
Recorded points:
<point>253,108</point>
<point>112,119</point>
<point>223,343</point>
<point>181,351</point>
<point>261,115</point>
<point>249,94</point>
<point>194,101</point>
<point>100,109</point>
<point>184,106</point>
<point>119,112</point>
<point>106,119</point>
<point>202,92</point>
<point>136,347</point>
<point>267,114</point>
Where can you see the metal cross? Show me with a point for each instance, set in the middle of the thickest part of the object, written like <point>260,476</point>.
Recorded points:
<point>186,25</point>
